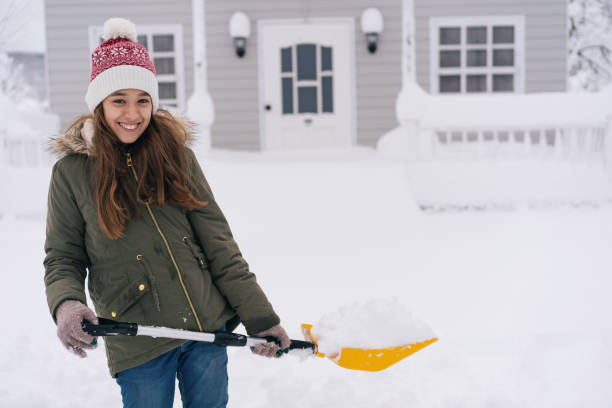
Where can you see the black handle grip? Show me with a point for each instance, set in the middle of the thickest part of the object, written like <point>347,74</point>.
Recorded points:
<point>295,345</point>
<point>302,345</point>
<point>108,327</point>
<point>272,339</point>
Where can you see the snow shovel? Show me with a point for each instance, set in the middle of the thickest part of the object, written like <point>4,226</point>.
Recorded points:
<point>351,358</point>
<point>368,359</point>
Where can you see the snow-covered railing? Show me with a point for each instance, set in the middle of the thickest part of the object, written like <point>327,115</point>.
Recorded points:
<point>24,133</point>
<point>22,150</point>
<point>564,126</point>
<point>577,143</point>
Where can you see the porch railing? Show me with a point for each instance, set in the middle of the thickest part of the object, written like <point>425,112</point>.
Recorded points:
<point>24,137</point>
<point>24,151</point>
<point>550,126</point>
<point>577,143</point>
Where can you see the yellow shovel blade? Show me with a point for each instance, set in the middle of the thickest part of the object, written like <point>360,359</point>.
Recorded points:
<point>368,359</point>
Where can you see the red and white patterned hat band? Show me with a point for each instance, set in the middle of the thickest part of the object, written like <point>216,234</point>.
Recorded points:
<point>119,51</point>
<point>120,63</point>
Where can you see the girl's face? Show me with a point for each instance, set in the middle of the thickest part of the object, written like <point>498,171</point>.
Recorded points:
<point>128,113</point>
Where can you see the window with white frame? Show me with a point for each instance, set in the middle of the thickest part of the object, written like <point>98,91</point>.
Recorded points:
<point>164,43</point>
<point>477,54</point>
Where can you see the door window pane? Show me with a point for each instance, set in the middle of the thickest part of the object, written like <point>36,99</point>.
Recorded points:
<point>477,58</point>
<point>476,83</point>
<point>306,62</point>
<point>450,35</point>
<point>287,95</point>
<point>450,83</point>
<point>142,40</point>
<point>163,42</point>
<point>326,59</point>
<point>477,35</point>
<point>307,99</point>
<point>167,90</point>
<point>503,58</point>
<point>286,64</point>
<point>503,35</point>
<point>164,65</point>
<point>450,58</point>
<point>327,93</point>
<point>503,83</point>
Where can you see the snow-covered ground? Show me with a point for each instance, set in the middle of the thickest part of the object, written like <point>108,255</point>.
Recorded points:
<point>519,299</point>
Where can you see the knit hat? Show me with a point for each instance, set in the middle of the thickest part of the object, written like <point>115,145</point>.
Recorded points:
<point>120,63</point>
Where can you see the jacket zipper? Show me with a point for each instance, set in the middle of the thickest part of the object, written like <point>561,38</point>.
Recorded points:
<point>178,272</point>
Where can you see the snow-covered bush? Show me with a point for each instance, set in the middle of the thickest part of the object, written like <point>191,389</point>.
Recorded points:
<point>25,127</point>
<point>589,44</point>
<point>13,84</point>
<point>24,120</point>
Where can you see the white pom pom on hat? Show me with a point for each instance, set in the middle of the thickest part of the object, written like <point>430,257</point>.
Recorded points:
<point>119,28</point>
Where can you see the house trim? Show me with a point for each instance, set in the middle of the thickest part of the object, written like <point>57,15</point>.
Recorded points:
<point>518,70</point>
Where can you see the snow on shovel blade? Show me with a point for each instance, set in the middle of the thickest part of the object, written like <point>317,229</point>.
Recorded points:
<point>368,359</point>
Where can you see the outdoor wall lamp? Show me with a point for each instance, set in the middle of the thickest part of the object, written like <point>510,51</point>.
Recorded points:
<point>372,26</point>
<point>240,29</point>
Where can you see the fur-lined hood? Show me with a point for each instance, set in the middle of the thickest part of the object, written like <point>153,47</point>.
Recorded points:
<point>78,138</point>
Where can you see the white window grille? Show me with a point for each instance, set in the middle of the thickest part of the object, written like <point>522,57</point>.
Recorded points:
<point>484,54</point>
<point>165,46</point>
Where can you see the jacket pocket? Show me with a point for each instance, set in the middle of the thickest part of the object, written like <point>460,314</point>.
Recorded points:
<point>118,288</point>
<point>196,251</point>
<point>152,280</point>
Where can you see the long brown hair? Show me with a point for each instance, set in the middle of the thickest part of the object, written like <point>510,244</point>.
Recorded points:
<point>159,160</point>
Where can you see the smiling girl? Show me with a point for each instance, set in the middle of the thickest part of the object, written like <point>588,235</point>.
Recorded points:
<point>130,209</point>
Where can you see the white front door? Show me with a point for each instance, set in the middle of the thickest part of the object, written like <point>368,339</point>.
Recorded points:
<point>306,80</point>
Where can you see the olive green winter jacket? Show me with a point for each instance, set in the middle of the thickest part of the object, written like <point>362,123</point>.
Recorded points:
<point>173,268</point>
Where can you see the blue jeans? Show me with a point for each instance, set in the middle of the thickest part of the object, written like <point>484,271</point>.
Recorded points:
<point>201,369</point>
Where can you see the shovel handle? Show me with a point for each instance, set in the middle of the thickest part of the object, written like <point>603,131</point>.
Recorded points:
<point>108,327</point>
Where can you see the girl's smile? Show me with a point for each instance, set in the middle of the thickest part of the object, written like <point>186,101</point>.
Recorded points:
<point>129,127</point>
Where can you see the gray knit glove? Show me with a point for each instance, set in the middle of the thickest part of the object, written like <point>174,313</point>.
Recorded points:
<point>270,349</point>
<point>69,315</point>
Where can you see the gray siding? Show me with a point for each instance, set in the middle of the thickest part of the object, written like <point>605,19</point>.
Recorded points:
<point>545,36</point>
<point>67,23</point>
<point>233,81</point>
